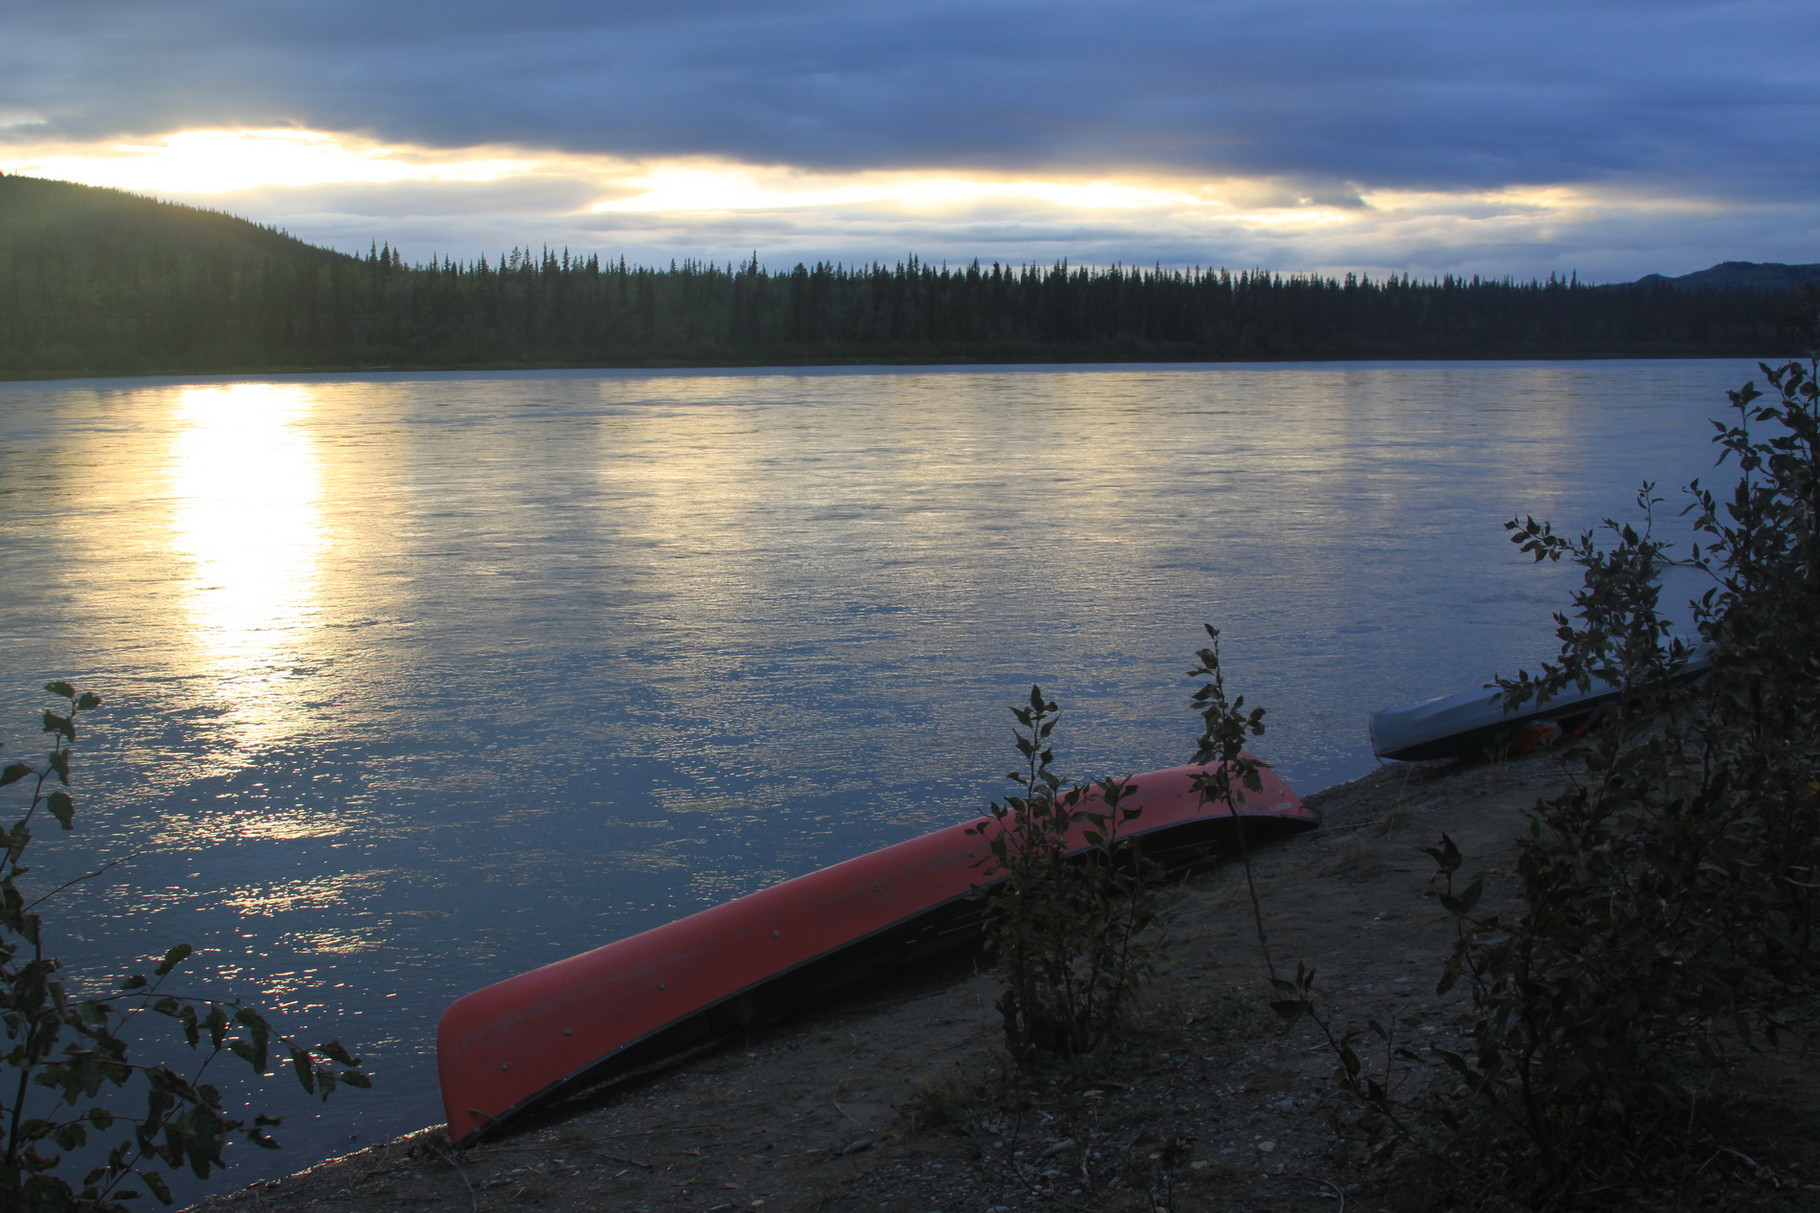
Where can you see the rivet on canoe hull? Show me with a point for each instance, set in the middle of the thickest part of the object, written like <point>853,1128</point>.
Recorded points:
<point>505,1065</point>
<point>568,1031</point>
<point>778,934</point>
<point>663,985</point>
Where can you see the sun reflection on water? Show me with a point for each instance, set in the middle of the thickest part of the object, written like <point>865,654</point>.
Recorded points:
<point>247,521</point>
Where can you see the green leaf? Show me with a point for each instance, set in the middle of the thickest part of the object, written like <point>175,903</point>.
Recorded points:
<point>306,1073</point>
<point>172,959</point>
<point>217,1023</point>
<point>13,773</point>
<point>335,1051</point>
<point>261,1032</point>
<point>61,807</point>
<point>61,688</point>
<point>1458,1063</point>
<point>1446,854</point>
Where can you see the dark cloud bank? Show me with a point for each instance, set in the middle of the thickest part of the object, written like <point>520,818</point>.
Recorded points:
<point>1681,97</point>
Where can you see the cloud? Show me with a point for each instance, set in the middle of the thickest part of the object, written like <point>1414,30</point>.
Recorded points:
<point>1425,134</point>
<point>1603,237</point>
<point>1396,93</point>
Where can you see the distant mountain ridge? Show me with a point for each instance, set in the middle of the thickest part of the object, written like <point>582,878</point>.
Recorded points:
<point>1742,276</point>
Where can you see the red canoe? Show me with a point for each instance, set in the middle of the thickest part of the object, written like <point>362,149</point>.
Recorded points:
<point>502,1049</point>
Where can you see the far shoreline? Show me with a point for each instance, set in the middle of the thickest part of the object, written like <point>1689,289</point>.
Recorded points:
<point>858,364</point>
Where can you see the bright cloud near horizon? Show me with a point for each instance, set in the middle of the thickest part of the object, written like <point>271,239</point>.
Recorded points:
<point>1611,138</point>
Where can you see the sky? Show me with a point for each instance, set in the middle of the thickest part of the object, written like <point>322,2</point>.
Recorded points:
<point>1607,138</point>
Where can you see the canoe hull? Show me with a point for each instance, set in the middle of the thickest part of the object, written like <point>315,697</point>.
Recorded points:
<point>1474,723</point>
<point>507,1047</point>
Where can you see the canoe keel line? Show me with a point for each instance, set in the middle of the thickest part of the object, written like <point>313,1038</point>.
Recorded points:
<point>513,1045</point>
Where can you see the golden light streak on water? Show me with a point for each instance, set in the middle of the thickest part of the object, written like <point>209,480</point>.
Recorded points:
<point>246,528</point>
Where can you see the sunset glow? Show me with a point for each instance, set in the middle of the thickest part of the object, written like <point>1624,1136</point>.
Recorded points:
<point>684,187</point>
<point>266,173</point>
<point>329,188</point>
<point>1513,140</point>
<point>226,161</point>
<point>203,162</point>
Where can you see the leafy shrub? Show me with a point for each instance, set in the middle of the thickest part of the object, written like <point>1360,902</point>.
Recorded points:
<point>1226,728</point>
<point>1668,898</point>
<point>1065,924</point>
<point>81,1119</point>
<point>1064,927</point>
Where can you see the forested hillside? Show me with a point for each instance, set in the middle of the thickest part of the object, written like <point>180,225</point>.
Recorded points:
<point>100,281</point>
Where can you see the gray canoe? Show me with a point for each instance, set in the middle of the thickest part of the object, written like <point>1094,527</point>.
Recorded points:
<point>1473,723</point>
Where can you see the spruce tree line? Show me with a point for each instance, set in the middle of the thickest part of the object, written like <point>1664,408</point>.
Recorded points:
<point>111,283</point>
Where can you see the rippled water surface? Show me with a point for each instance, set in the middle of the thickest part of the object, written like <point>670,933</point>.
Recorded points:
<point>414,682</point>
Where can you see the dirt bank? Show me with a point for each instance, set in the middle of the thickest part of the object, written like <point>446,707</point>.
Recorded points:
<point>864,1106</point>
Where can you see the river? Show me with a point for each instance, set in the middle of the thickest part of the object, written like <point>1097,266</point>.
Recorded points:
<point>415,681</point>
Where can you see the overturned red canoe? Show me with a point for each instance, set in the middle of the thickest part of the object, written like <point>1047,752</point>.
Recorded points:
<point>502,1049</point>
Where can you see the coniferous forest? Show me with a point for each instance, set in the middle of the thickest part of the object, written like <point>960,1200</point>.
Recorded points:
<point>97,281</point>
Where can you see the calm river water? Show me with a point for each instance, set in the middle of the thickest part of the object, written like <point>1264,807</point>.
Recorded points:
<point>417,681</point>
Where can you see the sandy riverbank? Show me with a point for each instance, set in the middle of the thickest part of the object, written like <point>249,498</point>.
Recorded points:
<point>1214,1107</point>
